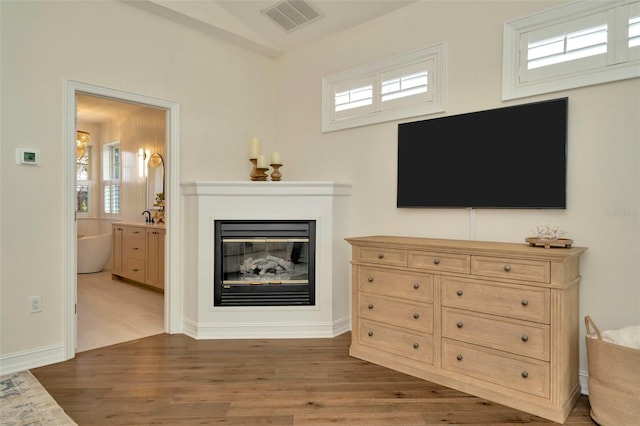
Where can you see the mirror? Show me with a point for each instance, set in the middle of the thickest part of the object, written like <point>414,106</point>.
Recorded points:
<point>155,182</point>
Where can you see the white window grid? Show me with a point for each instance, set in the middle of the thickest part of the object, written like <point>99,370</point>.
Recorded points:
<point>404,86</point>
<point>573,45</point>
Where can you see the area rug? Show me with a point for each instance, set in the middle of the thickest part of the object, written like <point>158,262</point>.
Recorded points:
<point>24,401</point>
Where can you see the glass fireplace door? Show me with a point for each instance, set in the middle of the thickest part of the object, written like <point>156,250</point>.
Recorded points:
<point>264,263</point>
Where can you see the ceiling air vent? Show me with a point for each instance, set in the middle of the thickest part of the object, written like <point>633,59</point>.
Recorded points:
<point>291,14</point>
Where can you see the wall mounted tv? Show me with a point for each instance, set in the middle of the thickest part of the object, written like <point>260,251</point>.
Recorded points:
<point>513,157</point>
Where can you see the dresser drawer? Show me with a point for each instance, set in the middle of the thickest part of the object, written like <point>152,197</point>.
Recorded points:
<point>134,248</point>
<point>418,287</point>
<point>441,262</point>
<point>516,269</point>
<point>415,346</point>
<point>134,269</point>
<point>382,256</point>
<point>522,374</point>
<point>394,312</point>
<point>517,337</point>
<point>133,232</point>
<point>525,303</point>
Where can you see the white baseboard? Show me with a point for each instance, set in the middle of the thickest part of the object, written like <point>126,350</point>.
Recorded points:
<point>20,361</point>
<point>584,381</point>
<point>266,331</point>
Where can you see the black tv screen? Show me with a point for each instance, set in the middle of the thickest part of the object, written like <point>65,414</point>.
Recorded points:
<point>511,157</point>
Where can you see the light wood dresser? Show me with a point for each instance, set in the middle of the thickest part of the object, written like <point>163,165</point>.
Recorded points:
<point>496,320</point>
<point>138,253</point>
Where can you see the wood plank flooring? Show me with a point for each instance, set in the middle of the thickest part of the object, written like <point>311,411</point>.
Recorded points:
<point>177,380</point>
<point>115,311</point>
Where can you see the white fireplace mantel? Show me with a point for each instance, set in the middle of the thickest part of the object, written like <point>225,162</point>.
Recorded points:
<point>327,203</point>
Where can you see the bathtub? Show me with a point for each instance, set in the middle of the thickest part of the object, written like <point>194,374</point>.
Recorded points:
<point>93,253</point>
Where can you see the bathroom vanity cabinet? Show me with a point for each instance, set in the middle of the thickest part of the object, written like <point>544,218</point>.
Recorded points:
<point>138,253</point>
<point>496,320</point>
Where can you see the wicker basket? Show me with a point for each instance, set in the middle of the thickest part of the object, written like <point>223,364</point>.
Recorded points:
<point>614,380</point>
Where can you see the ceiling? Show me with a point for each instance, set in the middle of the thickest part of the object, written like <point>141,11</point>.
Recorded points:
<point>96,109</point>
<point>243,22</point>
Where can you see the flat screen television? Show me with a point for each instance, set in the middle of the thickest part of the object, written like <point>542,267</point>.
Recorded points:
<point>513,157</point>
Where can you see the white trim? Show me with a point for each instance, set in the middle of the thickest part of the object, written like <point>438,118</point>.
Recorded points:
<point>375,113</point>
<point>173,291</point>
<point>513,87</point>
<point>33,358</point>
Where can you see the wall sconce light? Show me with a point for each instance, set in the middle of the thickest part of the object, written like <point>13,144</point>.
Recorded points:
<point>82,140</point>
<point>142,164</point>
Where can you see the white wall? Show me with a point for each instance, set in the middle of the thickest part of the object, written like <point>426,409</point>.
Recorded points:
<point>604,136</point>
<point>225,94</point>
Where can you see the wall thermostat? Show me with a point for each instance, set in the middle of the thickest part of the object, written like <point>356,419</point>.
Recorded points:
<point>28,156</point>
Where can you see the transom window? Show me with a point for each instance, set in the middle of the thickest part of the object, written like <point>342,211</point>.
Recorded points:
<point>407,85</point>
<point>573,45</point>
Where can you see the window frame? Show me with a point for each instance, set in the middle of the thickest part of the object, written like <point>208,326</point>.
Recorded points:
<point>620,62</point>
<point>372,73</point>
<point>108,179</point>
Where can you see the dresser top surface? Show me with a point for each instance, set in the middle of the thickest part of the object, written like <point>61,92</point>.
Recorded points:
<point>488,248</point>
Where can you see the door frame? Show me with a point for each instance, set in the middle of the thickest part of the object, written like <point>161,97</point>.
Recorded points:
<point>173,273</point>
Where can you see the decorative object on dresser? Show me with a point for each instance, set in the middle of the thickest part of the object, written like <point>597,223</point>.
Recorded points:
<point>496,320</point>
<point>548,236</point>
<point>138,253</point>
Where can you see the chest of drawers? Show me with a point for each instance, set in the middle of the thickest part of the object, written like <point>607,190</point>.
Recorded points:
<point>496,320</point>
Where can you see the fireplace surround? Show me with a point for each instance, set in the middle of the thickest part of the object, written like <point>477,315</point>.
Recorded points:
<point>325,203</point>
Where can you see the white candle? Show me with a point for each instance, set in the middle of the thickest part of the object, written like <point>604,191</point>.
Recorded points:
<point>254,150</point>
<point>262,162</point>
<point>276,158</point>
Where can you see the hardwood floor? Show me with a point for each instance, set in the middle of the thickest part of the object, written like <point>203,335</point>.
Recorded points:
<point>115,311</point>
<point>177,380</point>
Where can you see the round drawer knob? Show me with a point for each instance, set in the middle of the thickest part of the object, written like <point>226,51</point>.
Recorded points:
<point>525,374</point>
<point>507,268</point>
<point>459,357</point>
<point>380,255</point>
<point>416,346</point>
<point>525,338</point>
<point>459,292</point>
<point>370,279</point>
<point>416,315</point>
<point>436,261</point>
<point>370,306</point>
<point>524,302</point>
<point>416,286</point>
<point>459,325</point>
<point>370,333</point>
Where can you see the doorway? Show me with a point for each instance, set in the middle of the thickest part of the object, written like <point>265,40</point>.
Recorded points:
<point>112,133</point>
<point>121,101</point>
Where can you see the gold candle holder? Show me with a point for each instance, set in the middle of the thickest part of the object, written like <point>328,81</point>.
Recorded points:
<point>261,174</point>
<point>254,171</point>
<point>276,175</point>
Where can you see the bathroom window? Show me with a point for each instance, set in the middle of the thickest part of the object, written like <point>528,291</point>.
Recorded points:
<point>111,178</point>
<point>82,182</point>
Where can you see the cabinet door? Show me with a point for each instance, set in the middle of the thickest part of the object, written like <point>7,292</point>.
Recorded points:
<point>155,258</point>
<point>117,249</point>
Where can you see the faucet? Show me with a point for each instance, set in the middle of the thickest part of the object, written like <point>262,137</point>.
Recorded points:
<point>147,219</point>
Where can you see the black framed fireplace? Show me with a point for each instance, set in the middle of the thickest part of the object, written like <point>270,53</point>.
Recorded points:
<point>264,262</point>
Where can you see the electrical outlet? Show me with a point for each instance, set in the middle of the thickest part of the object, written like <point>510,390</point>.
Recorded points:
<point>35,304</point>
